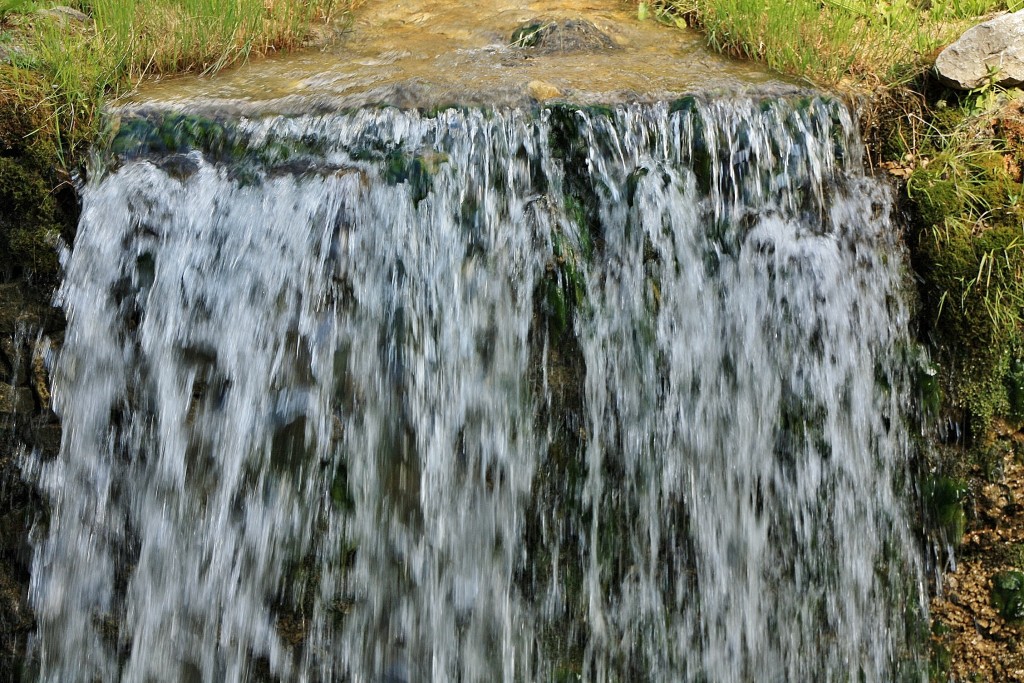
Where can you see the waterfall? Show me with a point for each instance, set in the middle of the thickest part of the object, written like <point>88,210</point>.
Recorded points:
<point>596,394</point>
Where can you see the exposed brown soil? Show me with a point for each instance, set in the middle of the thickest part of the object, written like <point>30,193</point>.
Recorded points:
<point>972,641</point>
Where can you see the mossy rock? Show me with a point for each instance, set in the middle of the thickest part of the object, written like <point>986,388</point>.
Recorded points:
<point>564,285</point>
<point>972,285</point>
<point>1008,594</point>
<point>997,191</point>
<point>170,139</point>
<point>934,198</point>
<point>685,104</point>
<point>943,498</point>
<point>417,171</point>
<point>929,390</point>
<point>139,136</point>
<point>975,272</point>
<point>1014,381</point>
<point>29,228</point>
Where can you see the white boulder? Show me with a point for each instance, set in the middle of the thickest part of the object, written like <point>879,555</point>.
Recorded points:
<point>993,49</point>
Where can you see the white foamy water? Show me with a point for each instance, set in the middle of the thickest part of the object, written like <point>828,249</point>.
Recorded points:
<point>486,396</point>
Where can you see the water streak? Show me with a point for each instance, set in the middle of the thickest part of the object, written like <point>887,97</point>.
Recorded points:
<point>485,396</point>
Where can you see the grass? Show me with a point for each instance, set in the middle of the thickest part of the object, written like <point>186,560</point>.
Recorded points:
<point>187,35</point>
<point>59,65</point>
<point>862,42</point>
<point>967,243</point>
<point>81,64</point>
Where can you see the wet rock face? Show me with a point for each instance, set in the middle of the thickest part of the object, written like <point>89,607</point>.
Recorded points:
<point>27,424</point>
<point>35,206</point>
<point>991,50</point>
<point>561,37</point>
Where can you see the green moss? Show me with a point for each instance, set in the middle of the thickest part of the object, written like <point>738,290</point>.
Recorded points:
<point>929,390</point>
<point>582,223</point>
<point>528,35</point>
<point>701,156</point>
<point>29,228</point>
<point>38,204</point>
<point>968,250</point>
<point>685,104</point>
<point>940,659</point>
<point>567,673</point>
<point>1014,381</point>
<point>993,185</point>
<point>564,284</point>
<point>175,133</point>
<point>416,171</point>
<point>934,198</point>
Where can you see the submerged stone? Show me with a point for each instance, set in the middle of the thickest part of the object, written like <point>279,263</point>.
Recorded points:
<point>561,36</point>
<point>541,90</point>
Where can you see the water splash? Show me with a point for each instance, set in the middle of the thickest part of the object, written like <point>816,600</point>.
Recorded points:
<point>484,396</point>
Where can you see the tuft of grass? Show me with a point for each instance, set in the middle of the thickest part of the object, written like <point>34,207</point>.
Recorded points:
<point>8,7</point>
<point>86,63</point>
<point>80,77</point>
<point>160,36</point>
<point>869,42</point>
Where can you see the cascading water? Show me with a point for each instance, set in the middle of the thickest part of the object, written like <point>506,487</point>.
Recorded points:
<point>610,394</point>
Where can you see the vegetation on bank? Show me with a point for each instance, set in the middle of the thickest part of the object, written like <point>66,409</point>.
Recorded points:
<point>37,205</point>
<point>60,62</point>
<point>964,191</point>
<point>86,51</point>
<point>883,42</point>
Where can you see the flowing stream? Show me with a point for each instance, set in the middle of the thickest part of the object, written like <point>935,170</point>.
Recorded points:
<point>599,394</point>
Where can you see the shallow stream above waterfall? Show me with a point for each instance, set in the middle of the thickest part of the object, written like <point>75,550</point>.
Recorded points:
<point>437,53</point>
<point>519,392</point>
